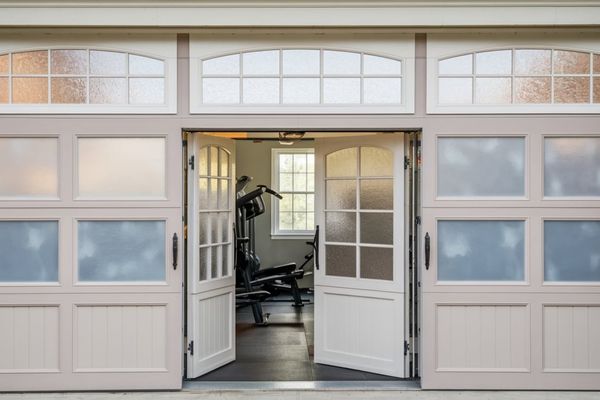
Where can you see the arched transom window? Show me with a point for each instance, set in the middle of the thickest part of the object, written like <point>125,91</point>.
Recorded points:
<point>301,77</point>
<point>77,76</point>
<point>520,76</point>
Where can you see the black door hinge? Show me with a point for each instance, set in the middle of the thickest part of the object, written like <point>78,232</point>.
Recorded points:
<point>191,348</point>
<point>406,347</point>
<point>406,162</point>
<point>192,162</point>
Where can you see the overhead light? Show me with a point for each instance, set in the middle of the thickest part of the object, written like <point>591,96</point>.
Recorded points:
<point>289,138</point>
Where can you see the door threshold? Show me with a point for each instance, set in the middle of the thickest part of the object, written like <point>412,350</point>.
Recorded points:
<point>193,386</point>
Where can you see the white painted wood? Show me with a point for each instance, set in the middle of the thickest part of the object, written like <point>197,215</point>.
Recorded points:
<point>359,323</point>
<point>211,302</point>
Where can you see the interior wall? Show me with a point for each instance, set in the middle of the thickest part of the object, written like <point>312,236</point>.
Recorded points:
<point>254,159</point>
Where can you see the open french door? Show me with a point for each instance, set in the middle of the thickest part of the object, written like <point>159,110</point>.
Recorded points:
<point>211,280</point>
<point>359,279</point>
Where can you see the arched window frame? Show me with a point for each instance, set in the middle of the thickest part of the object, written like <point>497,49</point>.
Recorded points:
<point>162,47</point>
<point>444,46</point>
<point>398,47</point>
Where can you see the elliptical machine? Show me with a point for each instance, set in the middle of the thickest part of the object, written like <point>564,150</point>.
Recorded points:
<point>255,285</point>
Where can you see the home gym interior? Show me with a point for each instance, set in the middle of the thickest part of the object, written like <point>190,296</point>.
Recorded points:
<point>264,243</point>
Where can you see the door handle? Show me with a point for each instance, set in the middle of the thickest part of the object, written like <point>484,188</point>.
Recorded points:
<point>316,247</point>
<point>175,250</point>
<point>427,249</point>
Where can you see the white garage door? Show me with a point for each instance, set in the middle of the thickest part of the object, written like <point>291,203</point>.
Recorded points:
<point>89,271</point>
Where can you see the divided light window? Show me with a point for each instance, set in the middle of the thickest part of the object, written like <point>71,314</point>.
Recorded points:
<point>81,76</point>
<point>293,176</point>
<point>520,76</point>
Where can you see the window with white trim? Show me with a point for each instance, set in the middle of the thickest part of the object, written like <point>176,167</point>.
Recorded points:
<point>293,176</point>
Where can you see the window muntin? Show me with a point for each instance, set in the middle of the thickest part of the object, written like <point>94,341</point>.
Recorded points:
<point>572,251</point>
<point>294,178</point>
<point>475,250</point>
<point>480,167</point>
<point>121,168</point>
<point>572,167</point>
<point>29,168</point>
<point>519,76</point>
<point>81,76</point>
<point>272,77</point>
<point>29,251</point>
<point>121,251</point>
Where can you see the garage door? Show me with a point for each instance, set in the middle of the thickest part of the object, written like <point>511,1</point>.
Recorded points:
<point>90,279</point>
<point>511,271</point>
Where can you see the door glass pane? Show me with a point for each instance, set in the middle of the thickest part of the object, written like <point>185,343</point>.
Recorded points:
<point>29,251</point>
<point>375,161</point>
<point>493,90</point>
<point>69,62</point>
<point>69,90</point>
<point>494,62</point>
<point>301,62</point>
<point>481,250</point>
<point>225,227</point>
<point>224,194</point>
<point>301,90</point>
<point>147,90</point>
<point>203,193</point>
<point>215,231</point>
<point>213,194</point>
<point>377,228</point>
<point>376,194</point>
<point>121,251</point>
<point>341,63</point>
<point>382,90</point>
<point>227,65</point>
<point>342,163</point>
<point>140,65</point>
<point>341,90</point>
<point>374,65</point>
<point>204,228</point>
<point>108,90</point>
<point>461,65</point>
<point>121,167</point>
<point>261,63</point>
<point>261,90</point>
<point>340,260</point>
<point>341,194</point>
<point>29,167</point>
<point>572,89</point>
<point>214,261</point>
<point>30,63</point>
<point>220,90</point>
<point>488,166</point>
<point>30,90</point>
<point>204,263</point>
<point>340,227</point>
<point>107,63</point>
<point>571,62</point>
<point>203,161</point>
<point>572,166</point>
<point>214,161</point>
<point>533,90</point>
<point>572,251</point>
<point>532,62</point>
<point>455,90</point>
<point>377,263</point>
<point>224,160</point>
<point>226,260</point>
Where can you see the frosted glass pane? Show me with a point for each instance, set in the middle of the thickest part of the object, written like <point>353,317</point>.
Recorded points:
<point>261,90</point>
<point>373,65</point>
<point>572,166</point>
<point>375,161</point>
<point>140,65</point>
<point>382,90</point>
<point>121,251</point>
<point>596,89</point>
<point>213,194</point>
<point>226,260</point>
<point>225,227</point>
<point>69,90</point>
<point>340,227</point>
<point>301,62</point>
<point>72,62</point>
<point>455,91</point>
<point>596,63</point>
<point>30,90</point>
<point>377,228</point>
<point>204,263</point>
<point>203,193</point>
<point>341,90</point>
<point>29,167</point>
<point>572,89</point>
<point>493,90</point>
<point>342,163</point>
<point>3,90</point>
<point>228,65</point>
<point>533,90</point>
<point>377,194</point>
<point>108,63</point>
<point>108,90</point>
<point>147,90</point>
<point>481,250</point>
<point>341,63</point>
<point>340,260</point>
<point>220,90</point>
<point>571,62</point>
<point>481,166</point>
<point>215,253</point>
<point>214,161</point>
<point>572,251</point>
<point>203,161</point>
<point>121,167</point>
<point>494,62</point>
<point>341,194</point>
<point>461,65</point>
<point>301,91</point>
<point>532,62</point>
<point>29,251</point>
<point>224,163</point>
<point>30,63</point>
<point>4,64</point>
<point>377,263</point>
<point>261,63</point>
<point>224,194</point>
<point>204,221</point>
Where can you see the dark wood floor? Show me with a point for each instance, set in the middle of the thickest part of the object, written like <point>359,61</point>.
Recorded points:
<point>280,351</point>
